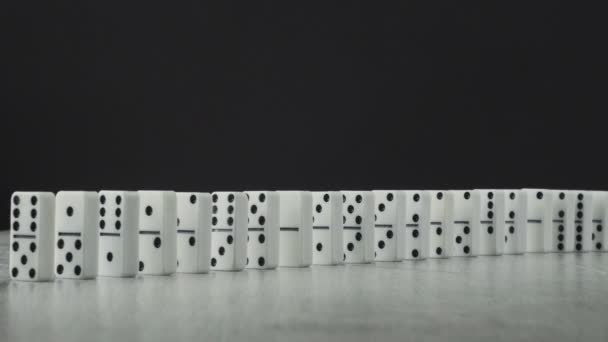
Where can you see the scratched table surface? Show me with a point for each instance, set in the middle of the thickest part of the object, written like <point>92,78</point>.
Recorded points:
<point>534,297</point>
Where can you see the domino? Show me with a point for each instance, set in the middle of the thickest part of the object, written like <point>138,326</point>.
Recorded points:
<point>76,240</point>
<point>31,236</point>
<point>295,236</point>
<point>358,212</point>
<point>416,225</point>
<point>488,219</point>
<point>512,221</point>
<point>437,225</point>
<point>459,215</point>
<point>562,222</point>
<point>583,220</point>
<point>263,229</point>
<point>327,228</point>
<point>118,228</point>
<point>538,217</point>
<point>389,235</point>
<point>193,232</point>
<point>229,231</point>
<point>599,238</point>
<point>157,232</point>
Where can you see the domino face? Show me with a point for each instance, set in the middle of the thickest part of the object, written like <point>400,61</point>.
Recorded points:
<point>193,232</point>
<point>118,228</point>
<point>416,225</point>
<point>599,238</point>
<point>538,215</point>
<point>295,237</point>
<point>31,236</point>
<point>562,222</point>
<point>358,212</point>
<point>263,229</point>
<point>76,239</point>
<point>459,214</point>
<point>488,208</point>
<point>229,231</point>
<point>583,220</point>
<point>513,221</point>
<point>437,225</point>
<point>389,225</point>
<point>327,228</point>
<point>157,232</point>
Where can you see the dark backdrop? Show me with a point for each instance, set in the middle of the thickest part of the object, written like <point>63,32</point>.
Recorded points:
<point>193,96</point>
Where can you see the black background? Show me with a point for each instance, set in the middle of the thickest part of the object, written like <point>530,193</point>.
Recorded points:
<point>349,95</point>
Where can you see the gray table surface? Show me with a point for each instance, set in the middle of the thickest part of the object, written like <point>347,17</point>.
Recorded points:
<point>534,297</point>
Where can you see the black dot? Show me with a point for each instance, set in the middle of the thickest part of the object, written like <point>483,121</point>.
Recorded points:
<point>33,226</point>
<point>262,198</point>
<point>512,214</point>
<point>102,212</point>
<point>102,199</point>
<point>560,237</point>
<point>490,214</point>
<point>214,262</point>
<point>77,270</point>
<point>59,269</point>
<point>15,246</point>
<point>16,225</point>
<point>466,249</point>
<point>157,242</point>
<point>253,209</point>
<point>381,244</point>
<point>14,272</point>
<point>32,273</point>
<point>389,197</point>
<point>416,197</point>
<point>230,209</point>
<point>230,198</point>
<point>34,200</point>
<point>69,257</point>
<point>141,266</point>
<point>343,219</point>
<point>261,238</point>
<point>560,228</point>
<point>599,228</point>
<point>539,195</point>
<point>438,251</point>
<point>23,259</point>
<point>579,246</point>
<point>230,221</point>
<point>579,229</point>
<point>593,236</point>
<point>102,224</point>
<point>560,246</point>
<point>506,239</point>
<point>415,253</point>
<point>261,220</point>
<point>60,243</point>
<point>318,208</point>
<point>415,233</point>
<point>117,225</point>
<point>214,198</point>
<point>319,246</point>
<point>247,262</point>
<point>490,205</point>
<point>261,261</point>
<point>562,195</point>
<point>33,213</point>
<point>561,213</point>
<point>149,210</point>
<point>221,250</point>
<point>109,256</point>
<point>16,200</point>
<point>350,246</point>
<point>69,211</point>
<point>389,234</point>
<point>490,230</point>
<point>358,219</point>
<point>598,245</point>
<point>381,207</point>
<point>438,231</point>
<point>118,212</point>
<point>511,229</point>
<point>490,195</point>
<point>580,197</point>
<point>178,221</point>
<point>359,199</point>
<point>458,239</point>
<point>229,239</point>
<point>16,213</point>
<point>78,244</point>
<point>358,236</point>
<point>415,218</point>
<point>512,195</point>
<point>579,238</point>
<point>192,199</point>
<point>33,247</point>
<point>343,256</point>
<point>579,205</point>
<point>439,197</point>
<point>350,209</point>
<point>467,230</point>
<point>326,197</point>
<point>467,195</point>
<point>579,214</point>
<point>214,221</point>
<point>118,199</point>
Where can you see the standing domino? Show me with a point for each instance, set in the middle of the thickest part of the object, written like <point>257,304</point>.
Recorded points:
<point>538,219</point>
<point>459,215</point>
<point>193,232</point>
<point>599,237</point>
<point>31,236</point>
<point>416,225</point>
<point>263,229</point>
<point>437,225</point>
<point>488,216</point>
<point>583,220</point>
<point>157,232</point>
<point>327,228</point>
<point>118,224</point>
<point>512,221</point>
<point>295,237</point>
<point>562,223</point>
<point>389,223</point>
<point>358,212</point>
<point>229,231</point>
<point>76,240</point>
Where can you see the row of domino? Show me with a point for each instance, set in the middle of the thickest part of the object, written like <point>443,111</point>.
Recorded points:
<point>120,233</point>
